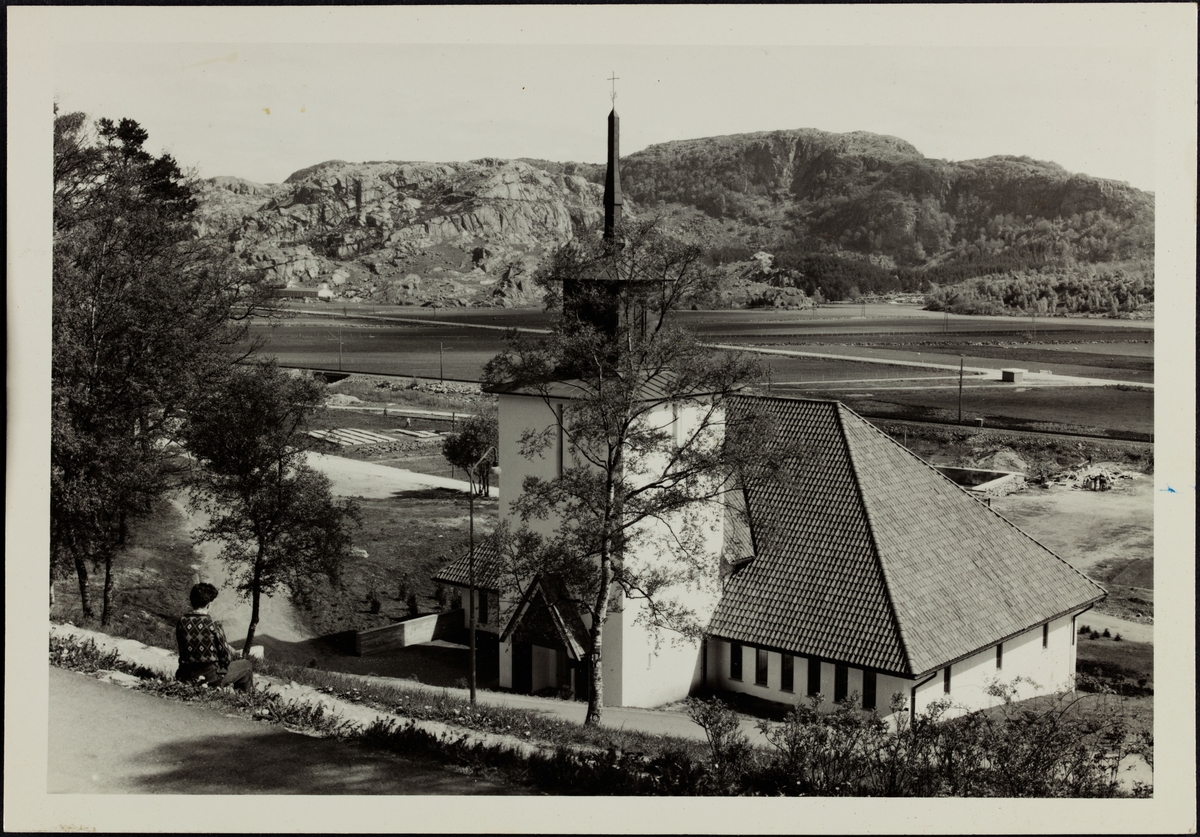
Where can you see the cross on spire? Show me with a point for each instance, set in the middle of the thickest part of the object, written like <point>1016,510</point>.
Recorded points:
<point>614,80</point>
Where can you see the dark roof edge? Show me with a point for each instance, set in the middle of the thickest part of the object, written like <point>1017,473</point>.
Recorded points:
<point>1083,607</point>
<point>862,499</point>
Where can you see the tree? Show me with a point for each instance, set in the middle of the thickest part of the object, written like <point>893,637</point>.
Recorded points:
<point>466,447</point>
<point>145,312</point>
<point>275,516</point>
<point>635,487</point>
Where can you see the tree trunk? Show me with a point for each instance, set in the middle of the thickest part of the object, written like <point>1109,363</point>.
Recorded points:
<point>85,601</point>
<point>255,595</point>
<point>595,696</point>
<point>595,706</point>
<point>109,584</point>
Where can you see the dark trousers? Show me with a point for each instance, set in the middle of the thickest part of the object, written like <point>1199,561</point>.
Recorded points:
<point>240,674</point>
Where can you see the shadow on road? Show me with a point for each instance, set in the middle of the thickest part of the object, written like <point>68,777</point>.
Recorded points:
<point>277,762</point>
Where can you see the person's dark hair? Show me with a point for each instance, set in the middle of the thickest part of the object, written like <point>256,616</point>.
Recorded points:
<point>202,594</point>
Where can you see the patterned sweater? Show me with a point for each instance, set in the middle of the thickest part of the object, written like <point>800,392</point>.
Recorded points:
<point>201,640</point>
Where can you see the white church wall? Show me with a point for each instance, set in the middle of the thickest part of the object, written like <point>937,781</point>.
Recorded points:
<point>650,675</point>
<point>1050,668</point>
<point>517,414</point>
<point>611,664</point>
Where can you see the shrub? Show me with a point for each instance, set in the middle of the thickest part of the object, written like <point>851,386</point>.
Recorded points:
<point>1105,633</point>
<point>1116,637</point>
<point>413,608</point>
<point>727,744</point>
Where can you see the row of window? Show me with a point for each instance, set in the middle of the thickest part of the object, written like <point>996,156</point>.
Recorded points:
<point>841,673</point>
<point>787,674</point>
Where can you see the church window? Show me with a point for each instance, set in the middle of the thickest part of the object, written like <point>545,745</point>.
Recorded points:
<point>869,689</point>
<point>483,607</point>
<point>1046,635</point>
<point>946,680</point>
<point>760,667</point>
<point>735,661</point>
<point>814,676</point>
<point>1000,656</point>
<point>787,672</point>
<point>841,681</point>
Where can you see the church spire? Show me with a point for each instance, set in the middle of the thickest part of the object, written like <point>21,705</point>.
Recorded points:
<point>612,179</point>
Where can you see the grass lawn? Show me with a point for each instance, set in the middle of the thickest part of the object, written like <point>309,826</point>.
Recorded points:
<point>407,538</point>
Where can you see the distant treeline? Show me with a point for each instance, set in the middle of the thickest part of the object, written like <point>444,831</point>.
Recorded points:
<point>1113,292</point>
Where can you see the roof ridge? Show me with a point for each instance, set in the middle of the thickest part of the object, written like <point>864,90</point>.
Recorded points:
<point>879,562</point>
<point>933,468</point>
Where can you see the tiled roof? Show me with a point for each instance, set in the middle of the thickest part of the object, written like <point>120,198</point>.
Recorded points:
<point>867,555</point>
<point>488,568</point>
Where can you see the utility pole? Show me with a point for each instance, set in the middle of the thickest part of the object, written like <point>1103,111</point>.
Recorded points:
<point>441,371</point>
<point>960,377</point>
<point>471,564</point>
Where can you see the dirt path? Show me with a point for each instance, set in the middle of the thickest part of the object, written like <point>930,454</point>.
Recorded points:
<point>373,480</point>
<point>277,617</point>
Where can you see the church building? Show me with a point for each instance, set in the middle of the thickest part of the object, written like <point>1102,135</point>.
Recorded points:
<point>862,572</point>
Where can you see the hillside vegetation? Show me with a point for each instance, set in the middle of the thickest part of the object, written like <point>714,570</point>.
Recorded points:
<point>786,216</point>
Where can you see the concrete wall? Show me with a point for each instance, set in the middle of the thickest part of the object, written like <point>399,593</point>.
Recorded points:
<point>517,414</point>
<point>406,633</point>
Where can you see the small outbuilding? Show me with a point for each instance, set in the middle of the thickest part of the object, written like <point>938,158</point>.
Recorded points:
<point>1012,376</point>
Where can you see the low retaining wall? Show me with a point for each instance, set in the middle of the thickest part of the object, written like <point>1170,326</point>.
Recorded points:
<point>409,632</point>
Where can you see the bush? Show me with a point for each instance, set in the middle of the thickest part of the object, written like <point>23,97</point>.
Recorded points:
<point>728,747</point>
<point>413,608</point>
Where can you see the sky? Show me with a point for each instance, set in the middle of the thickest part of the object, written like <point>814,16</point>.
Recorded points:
<point>264,110</point>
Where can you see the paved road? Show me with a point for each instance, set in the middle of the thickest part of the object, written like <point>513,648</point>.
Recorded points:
<point>108,739</point>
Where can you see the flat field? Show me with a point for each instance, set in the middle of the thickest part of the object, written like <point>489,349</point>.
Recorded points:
<point>1091,410</point>
<point>1109,535</point>
<point>396,340</point>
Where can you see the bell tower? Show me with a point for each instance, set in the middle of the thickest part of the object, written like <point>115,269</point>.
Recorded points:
<point>612,177</point>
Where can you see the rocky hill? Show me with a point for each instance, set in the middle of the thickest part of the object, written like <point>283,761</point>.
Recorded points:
<point>416,233</point>
<point>802,211</point>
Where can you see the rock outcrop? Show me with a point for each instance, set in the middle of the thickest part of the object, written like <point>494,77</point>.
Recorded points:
<point>408,233</point>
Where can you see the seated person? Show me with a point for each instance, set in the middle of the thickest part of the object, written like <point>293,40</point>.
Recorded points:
<point>203,652</point>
